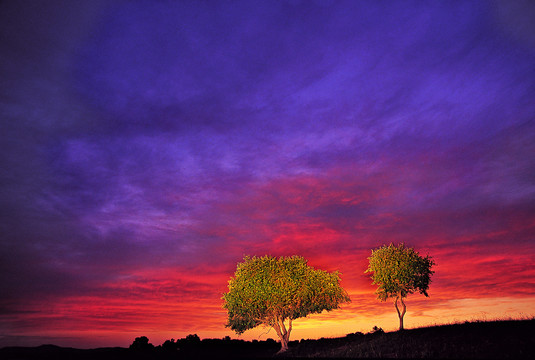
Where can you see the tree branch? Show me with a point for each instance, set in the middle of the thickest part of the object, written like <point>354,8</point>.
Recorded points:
<point>289,327</point>
<point>404,308</point>
<point>277,328</point>
<point>396,304</point>
<point>284,332</point>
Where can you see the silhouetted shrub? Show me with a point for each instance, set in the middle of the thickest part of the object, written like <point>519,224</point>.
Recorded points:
<point>141,344</point>
<point>170,345</point>
<point>193,339</point>
<point>377,330</point>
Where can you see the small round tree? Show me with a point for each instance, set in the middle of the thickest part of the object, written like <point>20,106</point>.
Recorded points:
<point>270,291</point>
<point>399,271</point>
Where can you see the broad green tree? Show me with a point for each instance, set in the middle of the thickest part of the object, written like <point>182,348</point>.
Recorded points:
<point>271,291</point>
<point>399,271</point>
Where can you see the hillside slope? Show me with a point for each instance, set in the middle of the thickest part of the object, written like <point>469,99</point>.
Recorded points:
<point>476,340</point>
<point>511,339</point>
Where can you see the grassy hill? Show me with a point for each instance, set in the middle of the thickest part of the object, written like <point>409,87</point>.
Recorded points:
<point>502,339</point>
<point>505,339</point>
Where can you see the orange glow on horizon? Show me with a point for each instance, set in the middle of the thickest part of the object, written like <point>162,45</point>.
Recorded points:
<point>471,281</point>
<point>172,304</point>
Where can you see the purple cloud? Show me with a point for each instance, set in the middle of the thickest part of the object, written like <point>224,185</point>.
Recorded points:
<point>139,137</point>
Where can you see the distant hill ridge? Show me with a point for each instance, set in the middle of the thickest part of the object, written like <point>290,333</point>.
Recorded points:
<point>499,339</point>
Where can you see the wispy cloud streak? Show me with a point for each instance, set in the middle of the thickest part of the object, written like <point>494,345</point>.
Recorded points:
<point>148,146</point>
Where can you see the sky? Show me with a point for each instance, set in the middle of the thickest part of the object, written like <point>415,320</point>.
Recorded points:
<point>148,146</point>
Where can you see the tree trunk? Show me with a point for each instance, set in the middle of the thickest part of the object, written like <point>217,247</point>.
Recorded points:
<point>284,345</point>
<point>401,314</point>
<point>283,334</point>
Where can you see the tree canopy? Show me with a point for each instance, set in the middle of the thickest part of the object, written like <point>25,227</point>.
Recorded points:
<point>268,291</point>
<point>399,271</point>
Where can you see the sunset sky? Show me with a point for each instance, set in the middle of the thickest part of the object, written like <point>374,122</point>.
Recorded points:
<point>147,146</point>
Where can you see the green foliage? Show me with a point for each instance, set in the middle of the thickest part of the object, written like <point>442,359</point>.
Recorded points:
<point>399,271</point>
<point>267,290</point>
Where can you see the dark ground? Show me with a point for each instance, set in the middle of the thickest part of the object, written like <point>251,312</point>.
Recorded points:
<point>506,339</point>
<point>476,340</point>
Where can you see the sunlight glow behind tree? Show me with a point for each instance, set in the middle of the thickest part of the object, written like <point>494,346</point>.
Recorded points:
<point>268,291</point>
<point>399,271</point>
